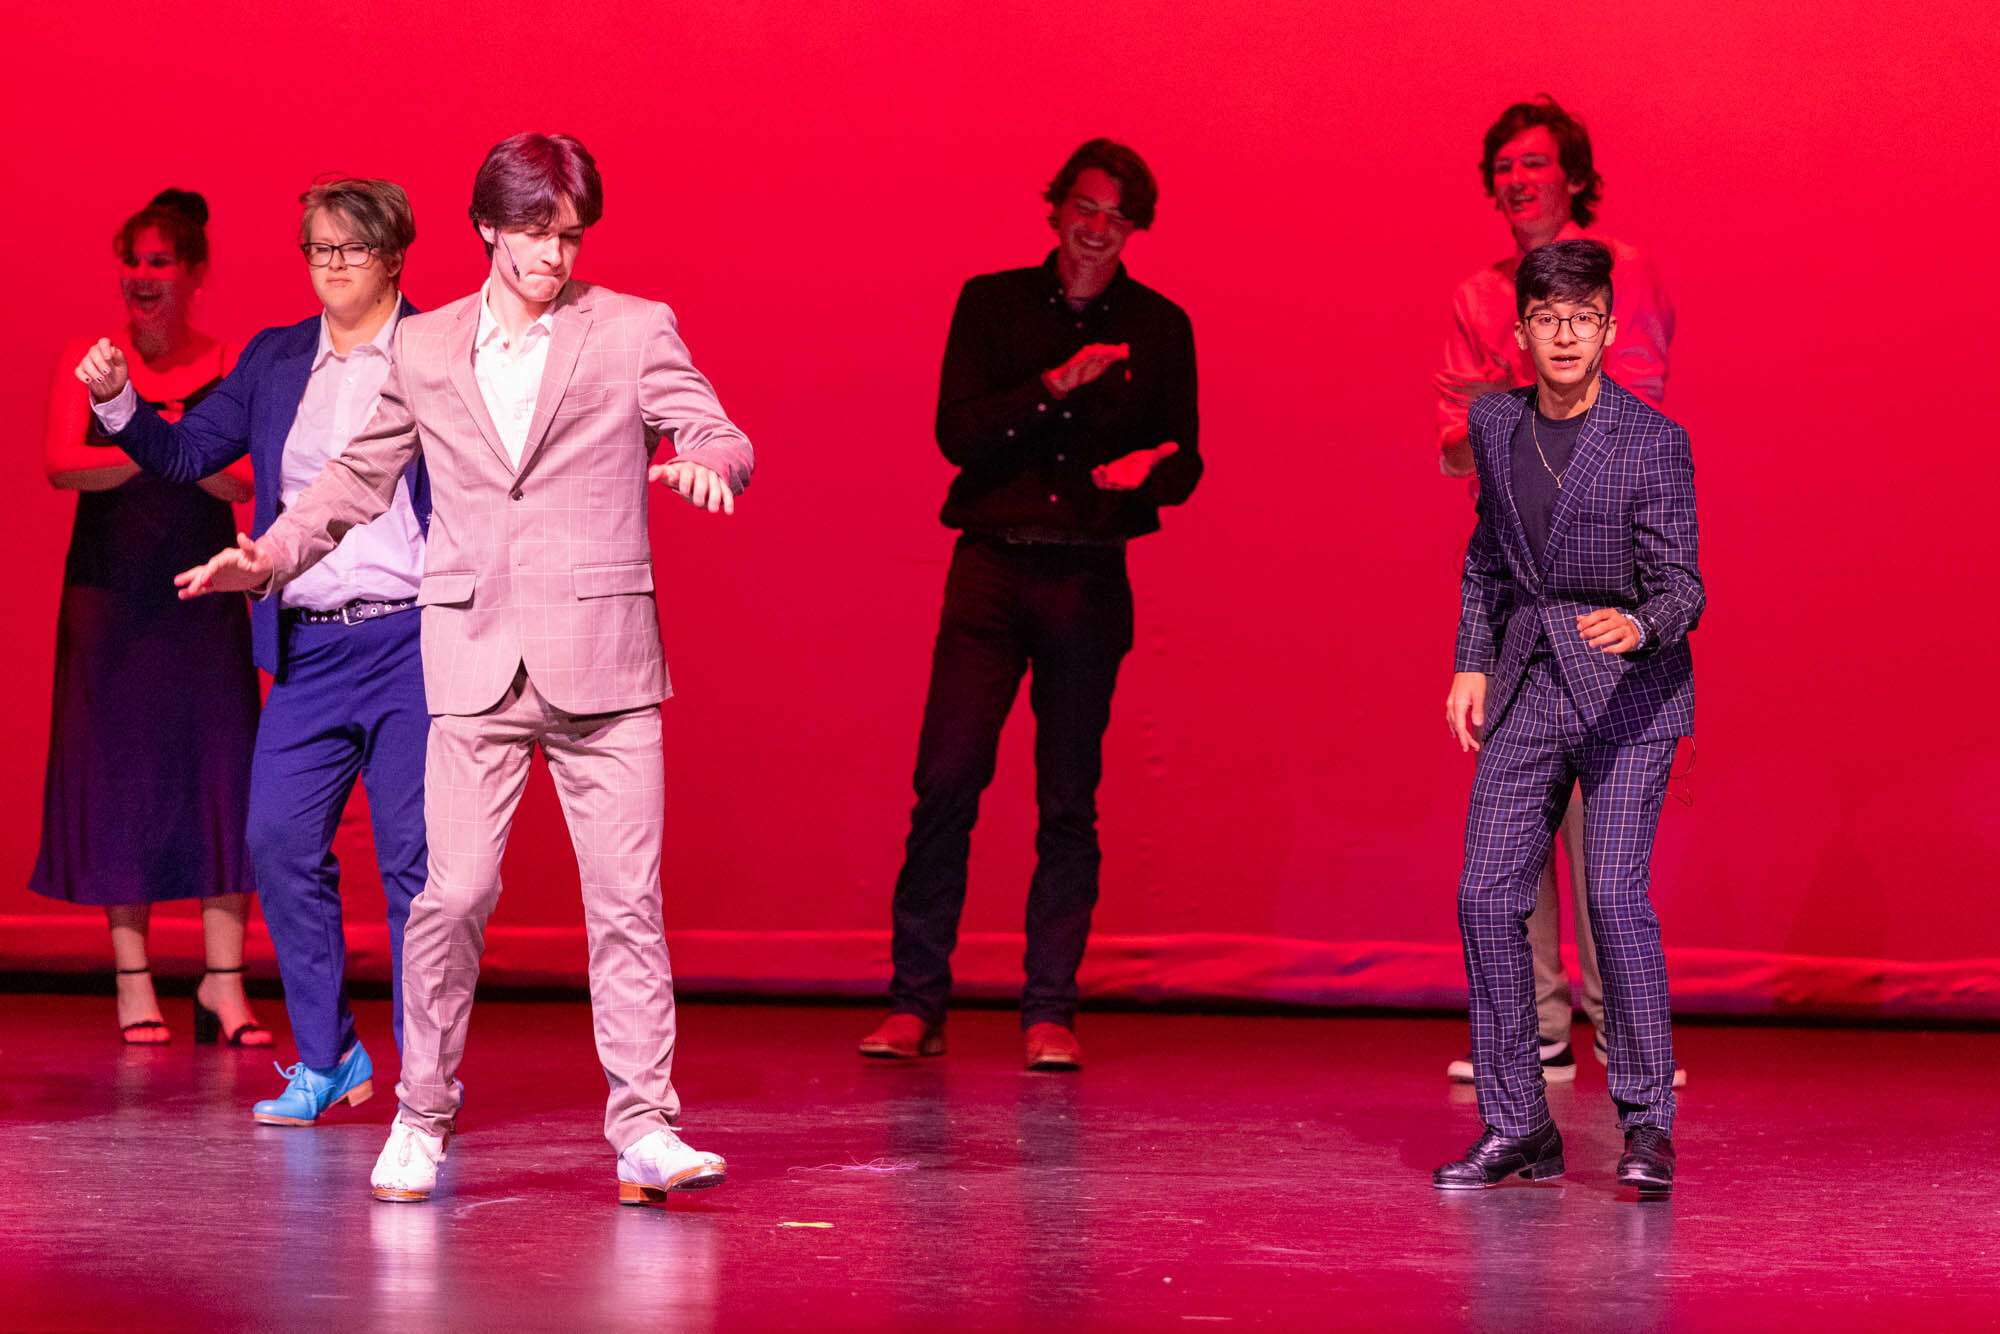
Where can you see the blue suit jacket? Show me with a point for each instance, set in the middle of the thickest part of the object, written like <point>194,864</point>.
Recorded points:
<point>1623,535</point>
<point>251,412</point>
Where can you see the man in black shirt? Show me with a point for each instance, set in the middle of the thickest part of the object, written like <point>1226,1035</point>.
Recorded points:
<point>1067,403</point>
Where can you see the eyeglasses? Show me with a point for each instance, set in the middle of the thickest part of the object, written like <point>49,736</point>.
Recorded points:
<point>1585,324</point>
<point>356,254</point>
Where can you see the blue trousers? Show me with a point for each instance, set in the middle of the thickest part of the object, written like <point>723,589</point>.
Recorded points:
<point>1526,769</point>
<point>351,705</point>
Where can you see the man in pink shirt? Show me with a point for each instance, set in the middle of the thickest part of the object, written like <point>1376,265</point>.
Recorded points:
<point>1538,172</point>
<point>1537,165</point>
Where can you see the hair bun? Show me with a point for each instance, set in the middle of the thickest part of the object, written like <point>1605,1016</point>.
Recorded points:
<point>184,202</point>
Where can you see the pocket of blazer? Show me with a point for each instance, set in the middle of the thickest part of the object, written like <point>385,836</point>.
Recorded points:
<point>445,588</point>
<point>596,581</point>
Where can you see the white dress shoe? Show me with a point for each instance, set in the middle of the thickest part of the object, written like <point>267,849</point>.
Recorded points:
<point>408,1167</point>
<point>660,1163</point>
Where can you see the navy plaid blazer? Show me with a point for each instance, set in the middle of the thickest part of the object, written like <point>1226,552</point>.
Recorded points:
<point>1623,535</point>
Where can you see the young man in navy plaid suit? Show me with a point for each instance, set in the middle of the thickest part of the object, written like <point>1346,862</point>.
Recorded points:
<point>1572,666</point>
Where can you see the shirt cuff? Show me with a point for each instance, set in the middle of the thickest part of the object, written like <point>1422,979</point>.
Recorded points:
<point>1639,625</point>
<point>116,415</point>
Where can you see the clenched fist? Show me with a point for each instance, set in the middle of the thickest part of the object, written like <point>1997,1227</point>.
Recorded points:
<point>103,371</point>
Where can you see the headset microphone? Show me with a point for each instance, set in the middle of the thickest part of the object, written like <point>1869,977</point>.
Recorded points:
<point>510,252</point>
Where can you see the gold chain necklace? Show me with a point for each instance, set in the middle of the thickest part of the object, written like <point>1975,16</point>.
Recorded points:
<point>1534,411</point>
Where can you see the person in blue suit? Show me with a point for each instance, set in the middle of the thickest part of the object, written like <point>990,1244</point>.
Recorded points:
<point>1580,587</point>
<point>341,642</point>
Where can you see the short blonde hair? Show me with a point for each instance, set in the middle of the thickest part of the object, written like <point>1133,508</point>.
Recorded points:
<point>377,212</point>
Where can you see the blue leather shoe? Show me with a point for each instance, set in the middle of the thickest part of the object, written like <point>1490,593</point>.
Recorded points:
<point>311,1092</point>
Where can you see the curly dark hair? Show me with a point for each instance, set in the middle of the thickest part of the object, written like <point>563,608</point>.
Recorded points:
<point>1572,150</point>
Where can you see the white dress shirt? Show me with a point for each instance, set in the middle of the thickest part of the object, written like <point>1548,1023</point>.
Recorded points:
<point>510,378</point>
<point>380,562</point>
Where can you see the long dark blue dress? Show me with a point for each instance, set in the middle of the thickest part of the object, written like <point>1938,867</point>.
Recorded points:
<point>156,704</point>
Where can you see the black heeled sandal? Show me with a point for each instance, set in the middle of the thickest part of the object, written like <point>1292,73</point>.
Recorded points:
<point>208,1024</point>
<point>126,1031</point>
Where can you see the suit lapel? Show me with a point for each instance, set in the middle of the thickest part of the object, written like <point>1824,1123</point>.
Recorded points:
<point>1593,449</point>
<point>289,374</point>
<point>273,413</point>
<point>458,355</point>
<point>1502,470</point>
<point>572,323</point>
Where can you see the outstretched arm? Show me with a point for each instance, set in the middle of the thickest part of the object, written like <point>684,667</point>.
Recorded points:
<point>355,487</point>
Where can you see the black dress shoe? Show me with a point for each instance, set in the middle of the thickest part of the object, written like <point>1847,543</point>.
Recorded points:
<point>1495,1157</point>
<point>1648,1162</point>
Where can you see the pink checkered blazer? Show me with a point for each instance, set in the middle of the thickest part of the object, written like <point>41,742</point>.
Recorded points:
<point>548,564</point>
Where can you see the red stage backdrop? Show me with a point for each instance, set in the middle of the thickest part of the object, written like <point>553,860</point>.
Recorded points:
<point>1282,811</point>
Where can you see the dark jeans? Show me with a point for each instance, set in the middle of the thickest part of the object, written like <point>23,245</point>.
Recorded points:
<point>1065,612</point>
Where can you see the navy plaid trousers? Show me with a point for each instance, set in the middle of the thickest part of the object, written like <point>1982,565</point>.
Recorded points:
<point>1526,768</point>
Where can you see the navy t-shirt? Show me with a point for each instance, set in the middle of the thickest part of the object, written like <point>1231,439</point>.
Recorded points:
<point>1534,486</point>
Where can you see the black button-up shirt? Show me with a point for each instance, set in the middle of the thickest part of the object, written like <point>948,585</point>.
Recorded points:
<point>1025,456</point>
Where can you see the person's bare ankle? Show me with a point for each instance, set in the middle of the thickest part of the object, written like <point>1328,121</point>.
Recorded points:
<point>136,999</point>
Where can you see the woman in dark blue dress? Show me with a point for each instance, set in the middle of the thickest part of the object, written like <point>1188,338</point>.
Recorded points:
<point>156,700</point>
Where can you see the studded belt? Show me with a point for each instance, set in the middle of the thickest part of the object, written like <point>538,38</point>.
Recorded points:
<point>353,613</point>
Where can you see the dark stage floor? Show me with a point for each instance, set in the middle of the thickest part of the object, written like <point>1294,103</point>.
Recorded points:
<point>1202,1172</point>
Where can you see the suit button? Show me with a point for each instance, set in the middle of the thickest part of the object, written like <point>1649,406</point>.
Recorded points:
<point>514,494</point>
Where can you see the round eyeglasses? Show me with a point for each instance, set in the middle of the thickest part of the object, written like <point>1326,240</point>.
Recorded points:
<point>355,254</point>
<point>1585,324</point>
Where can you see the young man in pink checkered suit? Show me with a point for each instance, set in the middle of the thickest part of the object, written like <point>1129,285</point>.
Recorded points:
<point>537,403</point>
